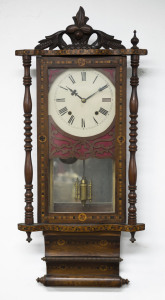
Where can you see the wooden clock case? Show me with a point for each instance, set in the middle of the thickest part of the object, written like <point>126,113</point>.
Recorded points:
<point>81,248</point>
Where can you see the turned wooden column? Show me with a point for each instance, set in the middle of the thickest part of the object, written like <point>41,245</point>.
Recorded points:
<point>133,136</point>
<point>28,146</point>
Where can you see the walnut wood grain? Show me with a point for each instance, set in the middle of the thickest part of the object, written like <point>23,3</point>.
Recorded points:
<point>89,259</point>
<point>133,136</point>
<point>112,281</point>
<point>71,216</point>
<point>28,145</point>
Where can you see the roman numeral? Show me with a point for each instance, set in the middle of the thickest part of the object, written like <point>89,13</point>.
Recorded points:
<point>103,88</point>
<point>71,120</point>
<point>60,100</point>
<point>95,79</point>
<point>83,75</point>
<point>63,111</point>
<point>103,111</point>
<point>106,99</point>
<point>95,120</point>
<point>83,123</point>
<point>72,79</point>
<point>63,88</point>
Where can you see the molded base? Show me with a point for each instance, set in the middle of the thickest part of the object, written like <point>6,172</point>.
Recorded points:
<point>82,259</point>
<point>115,281</point>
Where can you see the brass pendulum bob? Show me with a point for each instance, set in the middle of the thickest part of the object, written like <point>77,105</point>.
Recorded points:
<point>83,190</point>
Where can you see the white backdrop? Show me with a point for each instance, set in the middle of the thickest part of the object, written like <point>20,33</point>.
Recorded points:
<point>22,24</point>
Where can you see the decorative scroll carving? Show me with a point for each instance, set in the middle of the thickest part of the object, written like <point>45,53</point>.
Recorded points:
<point>133,136</point>
<point>28,145</point>
<point>79,34</point>
<point>66,147</point>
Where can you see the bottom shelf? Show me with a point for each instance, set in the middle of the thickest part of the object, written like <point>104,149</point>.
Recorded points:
<point>80,227</point>
<point>83,228</point>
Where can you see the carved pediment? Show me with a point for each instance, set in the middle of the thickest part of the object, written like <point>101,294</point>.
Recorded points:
<point>79,34</point>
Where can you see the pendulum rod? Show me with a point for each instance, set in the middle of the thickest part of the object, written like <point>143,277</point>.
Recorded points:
<point>83,168</point>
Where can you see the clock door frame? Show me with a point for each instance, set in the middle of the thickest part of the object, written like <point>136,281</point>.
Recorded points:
<point>43,64</point>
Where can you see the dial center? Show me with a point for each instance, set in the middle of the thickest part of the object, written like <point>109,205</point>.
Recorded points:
<point>83,100</point>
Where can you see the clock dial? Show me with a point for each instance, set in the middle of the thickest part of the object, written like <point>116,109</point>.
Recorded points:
<point>82,102</point>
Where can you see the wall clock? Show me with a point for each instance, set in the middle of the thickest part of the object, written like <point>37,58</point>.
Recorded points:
<point>81,150</point>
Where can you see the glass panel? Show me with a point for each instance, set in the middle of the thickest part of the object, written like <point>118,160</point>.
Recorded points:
<point>82,185</point>
<point>82,103</point>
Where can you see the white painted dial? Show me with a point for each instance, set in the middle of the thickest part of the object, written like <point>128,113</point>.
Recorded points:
<point>82,102</point>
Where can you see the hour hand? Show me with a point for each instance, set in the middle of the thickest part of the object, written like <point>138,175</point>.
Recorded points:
<point>73,92</point>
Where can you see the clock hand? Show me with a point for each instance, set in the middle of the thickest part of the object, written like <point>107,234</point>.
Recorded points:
<point>91,95</point>
<point>99,90</point>
<point>74,93</point>
<point>103,88</point>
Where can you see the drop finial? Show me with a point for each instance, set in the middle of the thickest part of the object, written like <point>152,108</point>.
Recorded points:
<point>125,281</point>
<point>132,239</point>
<point>29,239</point>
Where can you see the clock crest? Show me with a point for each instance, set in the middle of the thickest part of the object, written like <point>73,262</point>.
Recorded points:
<point>81,150</point>
<point>79,33</point>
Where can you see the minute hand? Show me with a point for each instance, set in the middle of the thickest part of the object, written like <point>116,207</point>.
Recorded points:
<point>99,90</point>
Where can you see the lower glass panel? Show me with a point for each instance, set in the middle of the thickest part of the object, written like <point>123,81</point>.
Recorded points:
<point>77,185</point>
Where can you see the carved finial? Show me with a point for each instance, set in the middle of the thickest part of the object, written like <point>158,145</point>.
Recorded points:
<point>29,239</point>
<point>80,19</point>
<point>79,29</point>
<point>134,41</point>
<point>132,239</point>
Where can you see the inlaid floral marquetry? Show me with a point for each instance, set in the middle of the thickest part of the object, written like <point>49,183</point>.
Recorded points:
<point>82,217</point>
<point>42,138</point>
